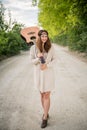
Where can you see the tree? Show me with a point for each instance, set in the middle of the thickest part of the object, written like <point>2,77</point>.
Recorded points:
<point>34,2</point>
<point>65,20</point>
<point>1,16</point>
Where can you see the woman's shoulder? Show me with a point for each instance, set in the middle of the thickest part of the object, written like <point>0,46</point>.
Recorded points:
<point>32,47</point>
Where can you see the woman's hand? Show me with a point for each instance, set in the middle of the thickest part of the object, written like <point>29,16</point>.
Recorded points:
<point>39,55</point>
<point>43,66</point>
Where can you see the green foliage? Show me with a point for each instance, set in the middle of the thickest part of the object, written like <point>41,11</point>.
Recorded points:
<point>66,22</point>
<point>78,38</point>
<point>3,43</point>
<point>10,40</point>
<point>34,2</point>
<point>61,39</point>
<point>2,9</point>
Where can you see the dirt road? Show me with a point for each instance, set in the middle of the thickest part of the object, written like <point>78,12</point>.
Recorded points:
<point>20,107</point>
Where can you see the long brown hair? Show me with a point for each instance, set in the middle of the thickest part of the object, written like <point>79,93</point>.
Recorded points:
<point>47,45</point>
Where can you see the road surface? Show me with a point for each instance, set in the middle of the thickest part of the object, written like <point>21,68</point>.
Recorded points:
<point>20,106</point>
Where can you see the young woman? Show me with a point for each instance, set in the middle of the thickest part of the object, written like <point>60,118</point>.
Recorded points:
<point>43,57</point>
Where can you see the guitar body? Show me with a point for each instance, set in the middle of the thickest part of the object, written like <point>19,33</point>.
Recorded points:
<point>30,34</point>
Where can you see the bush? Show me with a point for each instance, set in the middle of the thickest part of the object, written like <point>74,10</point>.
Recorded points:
<point>11,43</point>
<point>78,39</point>
<point>61,39</point>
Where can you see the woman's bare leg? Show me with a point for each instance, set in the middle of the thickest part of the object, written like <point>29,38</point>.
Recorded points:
<point>45,100</point>
<point>42,99</point>
<point>46,103</point>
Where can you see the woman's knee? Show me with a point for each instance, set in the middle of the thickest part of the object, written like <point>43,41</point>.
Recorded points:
<point>47,95</point>
<point>42,94</point>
